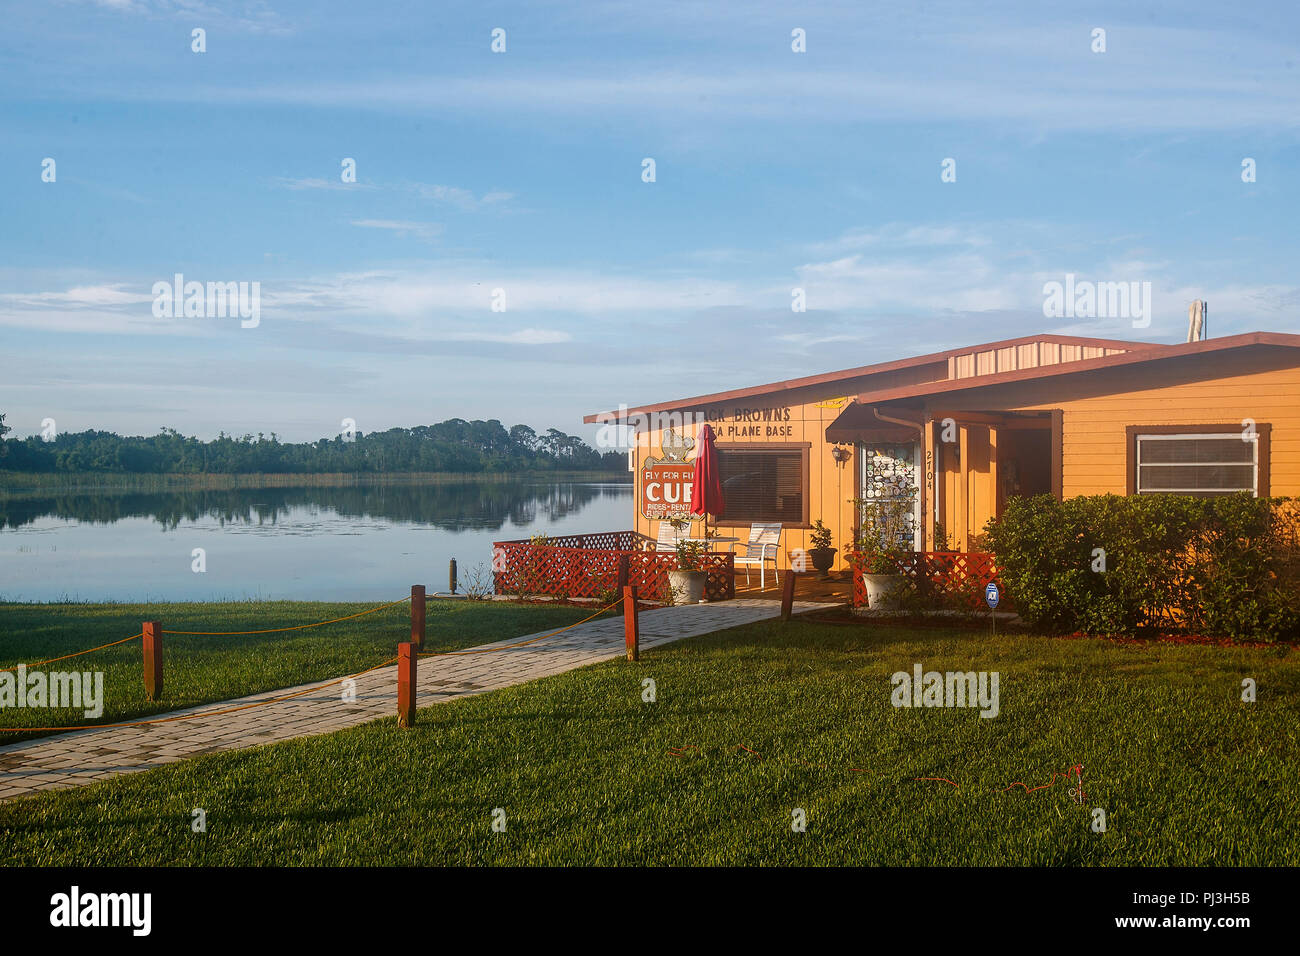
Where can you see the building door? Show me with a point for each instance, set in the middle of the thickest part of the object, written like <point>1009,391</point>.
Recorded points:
<point>890,476</point>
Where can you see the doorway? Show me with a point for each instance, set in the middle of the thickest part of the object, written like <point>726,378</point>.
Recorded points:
<point>890,474</point>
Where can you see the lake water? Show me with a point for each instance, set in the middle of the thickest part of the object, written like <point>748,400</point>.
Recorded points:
<point>357,543</point>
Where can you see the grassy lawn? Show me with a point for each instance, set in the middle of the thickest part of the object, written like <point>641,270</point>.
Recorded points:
<point>197,670</point>
<point>1186,772</point>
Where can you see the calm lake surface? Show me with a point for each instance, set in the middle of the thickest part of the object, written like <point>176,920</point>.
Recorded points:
<point>355,543</point>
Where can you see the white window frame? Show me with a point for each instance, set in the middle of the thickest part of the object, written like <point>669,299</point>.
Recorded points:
<point>1192,436</point>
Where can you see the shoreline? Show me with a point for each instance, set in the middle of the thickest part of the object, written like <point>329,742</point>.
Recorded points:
<point>19,482</point>
<point>538,600</point>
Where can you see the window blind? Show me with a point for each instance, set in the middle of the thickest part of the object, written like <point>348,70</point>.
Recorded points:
<point>762,485</point>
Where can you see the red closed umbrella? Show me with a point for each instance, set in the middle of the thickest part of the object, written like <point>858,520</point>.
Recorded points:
<point>706,491</point>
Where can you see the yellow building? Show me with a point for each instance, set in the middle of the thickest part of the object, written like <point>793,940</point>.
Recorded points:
<point>968,428</point>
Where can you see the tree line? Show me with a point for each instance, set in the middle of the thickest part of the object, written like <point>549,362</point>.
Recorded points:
<point>452,505</point>
<point>454,445</point>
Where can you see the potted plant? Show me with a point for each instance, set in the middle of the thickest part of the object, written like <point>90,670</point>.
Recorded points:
<point>821,553</point>
<point>687,582</point>
<point>886,529</point>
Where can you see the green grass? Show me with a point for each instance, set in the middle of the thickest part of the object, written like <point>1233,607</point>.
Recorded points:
<point>198,670</point>
<point>1186,772</point>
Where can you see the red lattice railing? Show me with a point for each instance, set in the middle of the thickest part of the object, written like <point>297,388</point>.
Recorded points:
<point>952,579</point>
<point>600,540</point>
<point>587,565</point>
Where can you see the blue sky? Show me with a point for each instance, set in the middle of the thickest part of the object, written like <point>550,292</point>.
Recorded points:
<point>522,171</point>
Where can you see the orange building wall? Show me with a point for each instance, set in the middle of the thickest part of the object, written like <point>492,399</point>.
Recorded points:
<point>978,476</point>
<point>1094,443</point>
<point>830,486</point>
<point>1262,383</point>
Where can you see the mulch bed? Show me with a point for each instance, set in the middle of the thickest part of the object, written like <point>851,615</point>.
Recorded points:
<point>843,618</point>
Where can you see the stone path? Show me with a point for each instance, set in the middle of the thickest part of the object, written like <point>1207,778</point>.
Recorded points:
<point>76,759</point>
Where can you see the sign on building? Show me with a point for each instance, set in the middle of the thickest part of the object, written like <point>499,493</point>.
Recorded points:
<point>666,481</point>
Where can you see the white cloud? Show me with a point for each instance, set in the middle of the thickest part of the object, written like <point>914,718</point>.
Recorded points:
<point>319,183</point>
<point>252,16</point>
<point>468,288</point>
<point>461,198</point>
<point>886,281</point>
<point>1124,97</point>
<point>81,296</point>
<point>403,227</point>
<point>901,235</point>
<point>522,337</point>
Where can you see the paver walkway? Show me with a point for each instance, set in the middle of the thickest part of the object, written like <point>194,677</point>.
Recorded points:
<point>82,757</point>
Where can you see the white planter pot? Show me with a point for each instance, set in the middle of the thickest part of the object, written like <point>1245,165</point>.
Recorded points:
<point>883,591</point>
<point>688,586</point>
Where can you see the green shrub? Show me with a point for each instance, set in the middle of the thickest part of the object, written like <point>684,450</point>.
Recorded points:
<point>1226,566</point>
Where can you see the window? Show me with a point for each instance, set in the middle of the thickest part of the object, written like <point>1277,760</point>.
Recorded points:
<point>764,483</point>
<point>1201,460</point>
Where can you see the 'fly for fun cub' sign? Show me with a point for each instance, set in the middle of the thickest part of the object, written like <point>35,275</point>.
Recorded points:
<point>666,489</point>
<point>666,482</point>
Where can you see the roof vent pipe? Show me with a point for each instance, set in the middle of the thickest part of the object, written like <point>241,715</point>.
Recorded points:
<point>1198,320</point>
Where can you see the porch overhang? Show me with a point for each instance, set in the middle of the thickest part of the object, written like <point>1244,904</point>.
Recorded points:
<point>858,423</point>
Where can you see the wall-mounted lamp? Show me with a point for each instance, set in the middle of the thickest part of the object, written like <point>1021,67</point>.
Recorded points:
<point>841,455</point>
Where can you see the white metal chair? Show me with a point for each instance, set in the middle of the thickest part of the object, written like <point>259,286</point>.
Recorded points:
<point>669,536</point>
<point>763,546</point>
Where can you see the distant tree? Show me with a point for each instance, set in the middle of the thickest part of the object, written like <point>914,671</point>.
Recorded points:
<point>453,445</point>
<point>524,439</point>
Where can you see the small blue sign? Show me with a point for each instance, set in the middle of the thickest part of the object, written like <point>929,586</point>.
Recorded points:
<point>991,594</point>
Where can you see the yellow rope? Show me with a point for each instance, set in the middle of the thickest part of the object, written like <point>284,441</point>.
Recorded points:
<point>284,697</point>
<point>10,670</point>
<point>534,640</point>
<point>204,713</point>
<point>296,627</point>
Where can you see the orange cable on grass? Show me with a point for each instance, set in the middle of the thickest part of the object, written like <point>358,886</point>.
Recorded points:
<point>10,670</point>
<point>1075,771</point>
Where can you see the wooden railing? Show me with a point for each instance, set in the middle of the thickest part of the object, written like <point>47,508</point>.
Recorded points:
<point>592,565</point>
<point>951,579</point>
<point>599,541</point>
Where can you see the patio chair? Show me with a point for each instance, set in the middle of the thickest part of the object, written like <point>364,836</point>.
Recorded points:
<point>762,546</point>
<point>668,536</point>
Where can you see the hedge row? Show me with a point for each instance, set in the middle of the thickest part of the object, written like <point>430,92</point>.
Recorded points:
<point>1219,567</point>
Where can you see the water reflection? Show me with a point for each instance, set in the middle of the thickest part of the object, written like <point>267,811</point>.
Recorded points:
<point>479,505</point>
<point>358,542</point>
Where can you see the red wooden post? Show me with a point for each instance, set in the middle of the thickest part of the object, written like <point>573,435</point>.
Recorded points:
<point>787,595</point>
<point>623,572</point>
<point>153,678</point>
<point>631,634</point>
<point>731,576</point>
<point>417,614</point>
<point>407,655</point>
